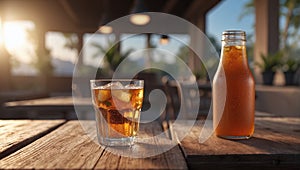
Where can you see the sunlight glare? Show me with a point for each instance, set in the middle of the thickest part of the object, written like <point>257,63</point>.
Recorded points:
<point>16,40</point>
<point>1,32</point>
<point>14,36</point>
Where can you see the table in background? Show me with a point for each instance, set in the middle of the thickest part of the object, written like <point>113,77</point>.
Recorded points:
<point>63,105</point>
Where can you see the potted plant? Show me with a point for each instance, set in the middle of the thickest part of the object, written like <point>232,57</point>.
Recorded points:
<point>268,66</point>
<point>289,68</point>
<point>112,55</point>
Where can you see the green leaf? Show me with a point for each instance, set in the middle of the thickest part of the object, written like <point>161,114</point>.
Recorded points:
<point>270,62</point>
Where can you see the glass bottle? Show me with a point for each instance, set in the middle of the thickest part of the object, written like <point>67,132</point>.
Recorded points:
<point>233,89</point>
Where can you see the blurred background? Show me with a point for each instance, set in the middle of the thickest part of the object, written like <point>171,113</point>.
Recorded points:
<point>40,42</point>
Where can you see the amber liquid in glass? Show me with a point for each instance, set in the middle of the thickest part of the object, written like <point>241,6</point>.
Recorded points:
<point>120,109</point>
<point>237,120</point>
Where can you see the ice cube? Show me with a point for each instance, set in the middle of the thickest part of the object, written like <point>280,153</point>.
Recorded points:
<point>238,47</point>
<point>130,86</point>
<point>122,95</point>
<point>103,95</point>
<point>113,85</point>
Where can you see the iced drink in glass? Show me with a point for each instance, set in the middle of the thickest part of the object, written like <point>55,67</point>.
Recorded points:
<point>117,106</point>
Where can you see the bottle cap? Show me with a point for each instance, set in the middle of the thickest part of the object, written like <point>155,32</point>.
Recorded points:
<point>231,35</point>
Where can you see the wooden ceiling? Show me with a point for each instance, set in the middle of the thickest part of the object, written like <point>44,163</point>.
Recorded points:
<point>85,15</point>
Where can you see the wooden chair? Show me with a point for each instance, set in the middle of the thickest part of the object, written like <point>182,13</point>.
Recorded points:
<point>173,102</point>
<point>196,99</point>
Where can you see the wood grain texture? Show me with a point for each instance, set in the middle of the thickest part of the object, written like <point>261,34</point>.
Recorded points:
<point>65,148</point>
<point>14,134</point>
<point>275,144</point>
<point>172,159</point>
<point>287,125</point>
<point>50,101</point>
<point>68,147</point>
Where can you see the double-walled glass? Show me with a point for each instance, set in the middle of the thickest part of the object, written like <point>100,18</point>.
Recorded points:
<point>117,104</point>
<point>236,120</point>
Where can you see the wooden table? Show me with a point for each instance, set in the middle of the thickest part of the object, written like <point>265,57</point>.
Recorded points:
<point>61,104</point>
<point>275,144</point>
<point>61,144</point>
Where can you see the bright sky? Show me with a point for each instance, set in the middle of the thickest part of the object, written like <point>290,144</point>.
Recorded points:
<point>226,16</point>
<point>222,17</point>
<point>56,42</point>
<point>15,37</point>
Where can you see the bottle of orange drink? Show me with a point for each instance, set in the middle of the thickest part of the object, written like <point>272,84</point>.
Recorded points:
<point>233,89</point>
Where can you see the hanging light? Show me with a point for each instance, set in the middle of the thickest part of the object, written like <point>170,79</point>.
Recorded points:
<point>139,17</point>
<point>164,39</point>
<point>104,27</point>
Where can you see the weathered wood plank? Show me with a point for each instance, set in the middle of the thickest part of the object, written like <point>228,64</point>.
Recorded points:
<point>287,125</point>
<point>240,161</point>
<point>68,147</point>
<point>172,159</point>
<point>50,101</point>
<point>15,134</point>
<point>273,145</point>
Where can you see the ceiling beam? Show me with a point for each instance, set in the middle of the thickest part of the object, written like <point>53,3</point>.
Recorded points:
<point>170,4</point>
<point>69,10</point>
<point>199,7</point>
<point>193,8</point>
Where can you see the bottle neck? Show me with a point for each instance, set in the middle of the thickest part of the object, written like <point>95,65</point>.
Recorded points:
<point>234,54</point>
<point>233,38</point>
<point>232,48</point>
<point>233,42</point>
